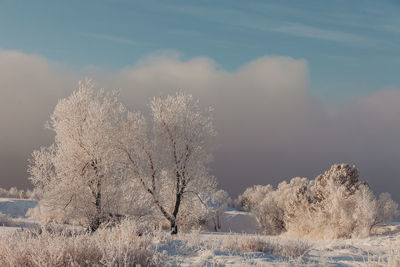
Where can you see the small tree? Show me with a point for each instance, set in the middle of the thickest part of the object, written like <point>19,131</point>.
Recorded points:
<point>78,175</point>
<point>170,159</point>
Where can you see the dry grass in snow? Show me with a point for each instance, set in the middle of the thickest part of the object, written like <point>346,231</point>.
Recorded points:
<point>119,246</point>
<point>288,248</point>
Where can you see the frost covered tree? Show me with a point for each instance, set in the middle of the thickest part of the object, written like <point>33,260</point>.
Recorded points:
<point>170,157</point>
<point>79,175</point>
<point>252,196</point>
<point>106,160</point>
<point>334,205</point>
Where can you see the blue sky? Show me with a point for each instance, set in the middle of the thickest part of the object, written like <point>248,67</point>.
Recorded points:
<point>352,47</point>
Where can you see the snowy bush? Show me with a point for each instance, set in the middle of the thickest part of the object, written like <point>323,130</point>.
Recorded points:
<point>288,248</point>
<point>252,196</point>
<point>46,215</point>
<point>120,246</point>
<point>203,211</point>
<point>208,212</point>
<point>217,204</point>
<point>387,208</point>
<point>334,205</point>
<point>281,206</point>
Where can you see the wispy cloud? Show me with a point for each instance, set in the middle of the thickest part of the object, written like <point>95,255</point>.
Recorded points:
<point>224,43</point>
<point>392,28</point>
<point>116,39</point>
<point>320,33</point>
<point>249,19</point>
<point>311,32</point>
<point>183,32</point>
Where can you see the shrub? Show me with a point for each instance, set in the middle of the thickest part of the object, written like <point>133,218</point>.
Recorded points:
<point>334,205</point>
<point>387,208</point>
<point>253,195</point>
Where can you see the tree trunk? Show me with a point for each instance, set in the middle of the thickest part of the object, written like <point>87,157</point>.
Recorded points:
<point>174,228</point>
<point>95,223</point>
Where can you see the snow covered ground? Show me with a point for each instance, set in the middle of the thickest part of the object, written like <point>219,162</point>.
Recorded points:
<point>13,214</point>
<point>238,222</point>
<point>241,245</point>
<point>16,208</point>
<point>228,249</point>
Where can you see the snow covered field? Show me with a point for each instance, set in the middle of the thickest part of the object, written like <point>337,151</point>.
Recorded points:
<point>16,208</point>
<point>249,248</point>
<point>230,249</point>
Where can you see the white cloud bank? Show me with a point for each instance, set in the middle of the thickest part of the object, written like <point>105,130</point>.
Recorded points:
<point>270,127</point>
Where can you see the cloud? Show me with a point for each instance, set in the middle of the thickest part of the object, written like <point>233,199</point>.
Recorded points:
<point>116,39</point>
<point>242,99</point>
<point>29,89</point>
<point>392,28</point>
<point>270,127</point>
<point>322,34</point>
<point>235,17</point>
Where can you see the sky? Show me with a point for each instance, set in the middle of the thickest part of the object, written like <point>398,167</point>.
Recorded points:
<point>296,85</point>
